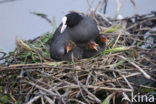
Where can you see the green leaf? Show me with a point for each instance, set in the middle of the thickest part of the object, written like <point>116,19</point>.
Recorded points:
<point>1,89</point>
<point>112,29</point>
<point>54,25</point>
<point>45,40</point>
<point>4,99</point>
<point>54,28</point>
<point>54,63</point>
<point>39,14</point>
<point>141,43</point>
<point>110,44</point>
<point>107,99</point>
<point>117,49</point>
<point>118,63</point>
<point>113,99</point>
<point>19,102</point>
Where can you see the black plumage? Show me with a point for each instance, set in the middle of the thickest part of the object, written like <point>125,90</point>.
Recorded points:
<point>58,46</point>
<point>79,29</point>
<point>82,28</point>
<point>101,40</point>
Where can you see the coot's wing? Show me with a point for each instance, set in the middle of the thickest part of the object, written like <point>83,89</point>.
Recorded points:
<point>57,32</point>
<point>57,46</point>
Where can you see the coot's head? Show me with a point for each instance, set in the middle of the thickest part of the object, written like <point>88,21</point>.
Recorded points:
<point>69,45</point>
<point>103,38</point>
<point>70,20</point>
<point>93,45</point>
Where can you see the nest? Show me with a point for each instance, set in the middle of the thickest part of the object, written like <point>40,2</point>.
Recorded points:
<point>30,76</point>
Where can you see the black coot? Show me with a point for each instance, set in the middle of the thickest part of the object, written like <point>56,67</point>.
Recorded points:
<point>62,47</point>
<point>76,53</point>
<point>91,49</point>
<point>101,41</point>
<point>82,28</point>
<point>57,46</point>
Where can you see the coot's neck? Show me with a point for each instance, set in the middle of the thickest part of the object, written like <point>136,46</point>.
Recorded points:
<point>73,19</point>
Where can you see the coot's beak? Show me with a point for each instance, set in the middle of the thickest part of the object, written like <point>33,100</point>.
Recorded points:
<point>64,26</point>
<point>93,45</point>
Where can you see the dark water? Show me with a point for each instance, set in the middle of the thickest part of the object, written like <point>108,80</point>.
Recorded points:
<point>16,19</point>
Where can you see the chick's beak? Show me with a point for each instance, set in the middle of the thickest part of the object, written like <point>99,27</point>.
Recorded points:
<point>68,48</point>
<point>93,45</point>
<point>103,38</point>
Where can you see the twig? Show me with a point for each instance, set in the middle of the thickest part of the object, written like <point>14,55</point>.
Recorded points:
<point>128,83</point>
<point>119,78</point>
<point>97,6</point>
<point>136,24</point>
<point>13,98</point>
<point>143,86</point>
<point>5,68</point>
<point>49,100</point>
<point>76,100</point>
<point>117,39</point>
<point>33,99</point>
<point>79,86</point>
<point>99,88</point>
<point>105,6</point>
<point>4,55</point>
<point>88,78</point>
<point>42,100</point>
<point>134,5</point>
<point>5,1</point>
<point>93,96</point>
<point>118,9</point>
<point>41,88</point>
<point>89,5</point>
<point>140,69</point>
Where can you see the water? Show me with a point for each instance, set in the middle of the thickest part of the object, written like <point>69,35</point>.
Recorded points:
<point>16,19</point>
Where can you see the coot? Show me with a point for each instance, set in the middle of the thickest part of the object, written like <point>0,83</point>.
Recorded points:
<point>62,47</point>
<point>57,46</point>
<point>82,28</point>
<point>101,41</point>
<point>92,45</point>
<point>72,51</point>
<point>91,50</point>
